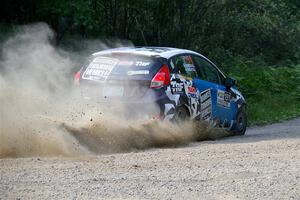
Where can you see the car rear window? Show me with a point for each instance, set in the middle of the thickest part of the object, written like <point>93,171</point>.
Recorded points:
<point>101,67</point>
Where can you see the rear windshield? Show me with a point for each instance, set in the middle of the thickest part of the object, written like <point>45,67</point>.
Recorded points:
<point>100,67</point>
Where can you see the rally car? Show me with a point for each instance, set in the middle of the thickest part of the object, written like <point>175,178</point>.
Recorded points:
<point>183,84</point>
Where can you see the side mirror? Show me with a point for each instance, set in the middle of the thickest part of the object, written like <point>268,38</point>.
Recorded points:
<point>230,82</point>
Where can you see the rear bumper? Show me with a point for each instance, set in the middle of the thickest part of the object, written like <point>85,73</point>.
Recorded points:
<point>148,106</point>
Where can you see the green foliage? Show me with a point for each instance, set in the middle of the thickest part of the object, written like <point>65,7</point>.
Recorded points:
<point>264,30</point>
<point>272,93</point>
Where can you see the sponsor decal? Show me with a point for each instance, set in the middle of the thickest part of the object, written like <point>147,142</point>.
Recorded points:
<point>192,91</point>
<point>206,110</point>
<point>177,86</point>
<point>99,69</point>
<point>141,63</point>
<point>206,114</point>
<point>138,72</point>
<point>188,59</point>
<point>189,68</point>
<point>205,95</point>
<point>223,98</point>
<point>188,64</point>
<point>205,104</point>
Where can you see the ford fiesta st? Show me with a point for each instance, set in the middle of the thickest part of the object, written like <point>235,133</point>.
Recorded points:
<point>183,84</point>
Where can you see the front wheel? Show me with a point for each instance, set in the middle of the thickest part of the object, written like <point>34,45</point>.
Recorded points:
<point>241,122</point>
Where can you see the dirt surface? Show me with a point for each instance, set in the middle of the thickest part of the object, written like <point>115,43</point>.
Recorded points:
<point>263,164</point>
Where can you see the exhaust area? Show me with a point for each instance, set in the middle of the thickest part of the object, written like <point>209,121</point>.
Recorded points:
<point>41,113</point>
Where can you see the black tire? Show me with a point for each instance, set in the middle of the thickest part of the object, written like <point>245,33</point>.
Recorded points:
<point>181,114</point>
<point>241,122</point>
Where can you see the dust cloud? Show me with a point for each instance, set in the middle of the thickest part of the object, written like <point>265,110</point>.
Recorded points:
<point>42,115</point>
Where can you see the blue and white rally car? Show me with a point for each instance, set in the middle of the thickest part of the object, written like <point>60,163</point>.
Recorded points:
<point>183,84</point>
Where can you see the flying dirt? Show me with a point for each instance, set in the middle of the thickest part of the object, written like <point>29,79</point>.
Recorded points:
<point>42,114</point>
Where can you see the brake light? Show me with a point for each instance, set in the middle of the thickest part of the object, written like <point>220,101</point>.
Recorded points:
<point>77,77</point>
<point>161,78</point>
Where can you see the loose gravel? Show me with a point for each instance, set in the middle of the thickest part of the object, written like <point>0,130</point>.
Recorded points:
<point>263,164</point>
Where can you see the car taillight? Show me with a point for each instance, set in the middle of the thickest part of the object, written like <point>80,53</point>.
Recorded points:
<point>161,78</point>
<point>77,77</point>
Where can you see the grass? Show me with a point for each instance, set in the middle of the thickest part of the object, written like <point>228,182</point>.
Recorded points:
<point>272,108</point>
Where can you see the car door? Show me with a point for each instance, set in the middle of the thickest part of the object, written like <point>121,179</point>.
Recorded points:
<point>183,71</point>
<point>197,91</point>
<point>211,78</point>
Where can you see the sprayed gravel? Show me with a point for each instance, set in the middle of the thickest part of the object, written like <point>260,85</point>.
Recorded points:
<point>263,164</point>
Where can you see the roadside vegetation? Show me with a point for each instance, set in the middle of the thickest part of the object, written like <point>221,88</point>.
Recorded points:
<point>257,42</point>
<point>272,93</point>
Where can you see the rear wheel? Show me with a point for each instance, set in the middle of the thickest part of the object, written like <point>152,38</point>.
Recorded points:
<point>181,114</point>
<point>241,122</point>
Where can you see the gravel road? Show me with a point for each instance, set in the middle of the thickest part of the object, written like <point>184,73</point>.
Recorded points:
<point>263,164</point>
